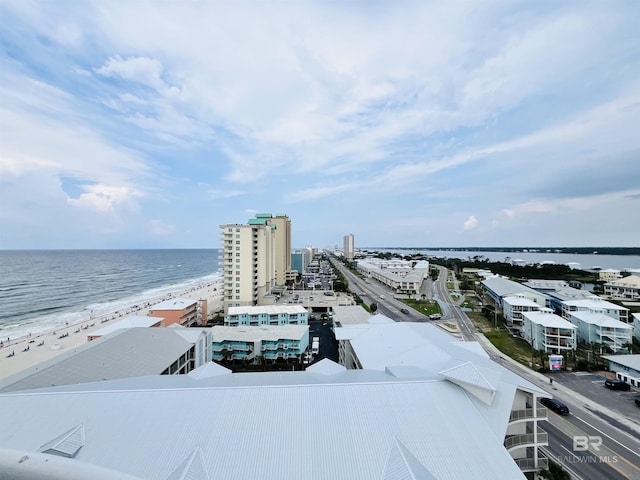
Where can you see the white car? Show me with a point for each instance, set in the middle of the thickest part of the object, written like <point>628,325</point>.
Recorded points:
<point>382,296</point>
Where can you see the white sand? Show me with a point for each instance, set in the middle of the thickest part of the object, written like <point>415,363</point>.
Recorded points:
<point>77,333</point>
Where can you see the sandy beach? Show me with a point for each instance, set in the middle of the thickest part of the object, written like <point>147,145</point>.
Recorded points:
<point>24,352</point>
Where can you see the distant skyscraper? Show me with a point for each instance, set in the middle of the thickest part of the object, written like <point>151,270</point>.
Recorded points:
<point>349,246</point>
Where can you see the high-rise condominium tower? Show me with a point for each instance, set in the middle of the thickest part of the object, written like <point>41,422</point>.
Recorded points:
<point>255,257</point>
<point>349,246</point>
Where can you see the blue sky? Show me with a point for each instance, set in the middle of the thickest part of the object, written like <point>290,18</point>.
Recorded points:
<point>140,124</point>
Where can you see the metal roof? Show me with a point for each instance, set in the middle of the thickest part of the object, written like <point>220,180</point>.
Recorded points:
<point>246,333</point>
<point>173,304</point>
<point>266,309</point>
<point>630,361</point>
<point>547,319</point>
<point>125,353</point>
<point>505,287</point>
<point>127,322</point>
<point>600,319</point>
<point>354,424</point>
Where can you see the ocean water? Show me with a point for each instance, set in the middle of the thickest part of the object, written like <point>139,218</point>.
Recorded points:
<point>44,289</point>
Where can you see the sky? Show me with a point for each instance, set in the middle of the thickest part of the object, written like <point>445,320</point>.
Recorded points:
<point>141,124</point>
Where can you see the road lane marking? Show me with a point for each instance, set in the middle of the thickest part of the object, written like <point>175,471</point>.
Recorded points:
<point>608,436</point>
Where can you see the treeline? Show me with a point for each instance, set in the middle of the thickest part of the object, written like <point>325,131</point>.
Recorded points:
<point>577,250</point>
<point>540,271</point>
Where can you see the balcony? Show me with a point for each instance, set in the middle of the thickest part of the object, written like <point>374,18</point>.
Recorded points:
<point>529,464</point>
<point>528,414</point>
<point>526,440</point>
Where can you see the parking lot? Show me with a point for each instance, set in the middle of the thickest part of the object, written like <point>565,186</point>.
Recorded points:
<point>591,385</point>
<point>328,343</point>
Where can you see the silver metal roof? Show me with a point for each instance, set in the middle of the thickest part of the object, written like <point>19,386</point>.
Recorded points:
<point>125,353</point>
<point>353,424</point>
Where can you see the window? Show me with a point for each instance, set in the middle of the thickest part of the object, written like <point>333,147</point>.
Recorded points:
<point>238,298</point>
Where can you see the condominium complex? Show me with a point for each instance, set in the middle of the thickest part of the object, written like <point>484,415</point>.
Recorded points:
<point>183,311</point>
<point>549,332</point>
<point>256,258</point>
<point>404,277</point>
<point>513,307</point>
<point>627,288</point>
<point>249,343</point>
<point>348,246</point>
<point>267,315</point>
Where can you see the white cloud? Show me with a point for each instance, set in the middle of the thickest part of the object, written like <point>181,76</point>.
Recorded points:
<point>147,71</point>
<point>470,223</point>
<point>104,198</point>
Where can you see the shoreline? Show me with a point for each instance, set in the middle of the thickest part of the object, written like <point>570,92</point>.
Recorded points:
<point>20,353</point>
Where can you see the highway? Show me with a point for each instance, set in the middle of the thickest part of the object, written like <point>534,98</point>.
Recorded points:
<point>618,455</point>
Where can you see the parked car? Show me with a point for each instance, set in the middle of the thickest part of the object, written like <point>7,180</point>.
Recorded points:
<point>555,405</point>
<point>637,402</point>
<point>616,384</point>
<point>404,310</point>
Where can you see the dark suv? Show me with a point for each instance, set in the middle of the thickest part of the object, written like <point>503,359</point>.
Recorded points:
<point>555,405</point>
<point>404,310</point>
<point>615,384</point>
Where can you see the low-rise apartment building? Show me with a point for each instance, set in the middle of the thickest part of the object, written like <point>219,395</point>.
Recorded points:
<point>627,288</point>
<point>267,315</point>
<point>402,276</point>
<point>183,311</point>
<point>269,342</point>
<point>514,307</point>
<point>595,305</point>
<point>498,288</point>
<point>609,274</point>
<point>558,291</point>
<point>595,327</point>
<point>549,332</point>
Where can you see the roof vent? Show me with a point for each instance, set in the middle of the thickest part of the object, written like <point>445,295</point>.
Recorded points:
<point>403,465</point>
<point>66,445</point>
<point>472,380</point>
<point>191,468</point>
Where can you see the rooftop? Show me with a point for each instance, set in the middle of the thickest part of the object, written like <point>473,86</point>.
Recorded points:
<point>267,310</point>
<point>173,304</point>
<point>125,353</point>
<point>547,319</point>
<point>127,322</point>
<point>245,333</point>
<point>601,320</point>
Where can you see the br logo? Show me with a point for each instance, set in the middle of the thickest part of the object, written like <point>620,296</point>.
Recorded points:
<point>581,443</point>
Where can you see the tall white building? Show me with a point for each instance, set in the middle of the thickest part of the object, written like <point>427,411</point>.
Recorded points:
<point>349,246</point>
<point>283,247</point>
<point>255,256</point>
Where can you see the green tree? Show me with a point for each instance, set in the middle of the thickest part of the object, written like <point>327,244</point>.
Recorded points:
<point>374,307</point>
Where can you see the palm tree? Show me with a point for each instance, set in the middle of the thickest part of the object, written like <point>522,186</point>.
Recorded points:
<point>226,355</point>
